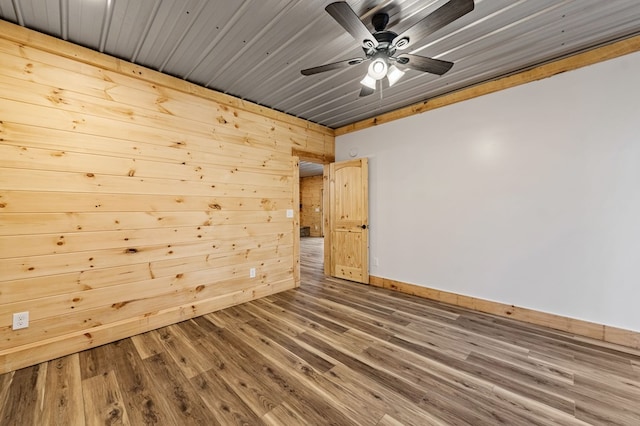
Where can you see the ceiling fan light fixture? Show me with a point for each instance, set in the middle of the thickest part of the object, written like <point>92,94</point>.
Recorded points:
<point>378,69</point>
<point>394,75</point>
<point>369,82</point>
<point>380,46</point>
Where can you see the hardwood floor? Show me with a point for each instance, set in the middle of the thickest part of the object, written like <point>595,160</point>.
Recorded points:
<point>333,352</point>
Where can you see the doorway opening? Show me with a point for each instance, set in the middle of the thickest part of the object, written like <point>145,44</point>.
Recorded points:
<point>312,212</point>
<point>311,199</point>
<point>339,215</point>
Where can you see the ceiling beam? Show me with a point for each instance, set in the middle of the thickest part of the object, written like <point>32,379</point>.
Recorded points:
<point>579,60</point>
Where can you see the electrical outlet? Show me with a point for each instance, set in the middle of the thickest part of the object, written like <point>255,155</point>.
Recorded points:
<point>252,273</point>
<point>376,262</point>
<point>20,320</point>
<point>289,213</point>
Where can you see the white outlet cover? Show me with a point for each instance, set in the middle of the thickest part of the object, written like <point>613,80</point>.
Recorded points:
<point>252,273</point>
<point>289,212</point>
<point>20,320</point>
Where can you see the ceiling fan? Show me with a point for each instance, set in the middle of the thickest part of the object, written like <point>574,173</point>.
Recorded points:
<point>382,46</point>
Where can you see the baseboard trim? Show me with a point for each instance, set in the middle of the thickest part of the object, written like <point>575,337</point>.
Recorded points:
<point>605,333</point>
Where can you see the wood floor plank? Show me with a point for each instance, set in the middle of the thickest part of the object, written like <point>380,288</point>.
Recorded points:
<point>443,330</point>
<point>354,300</point>
<point>147,344</point>
<point>360,310</point>
<point>103,403</point>
<point>387,420</point>
<point>472,401</point>
<point>218,318</point>
<point>96,362</point>
<point>290,303</point>
<point>610,363</point>
<point>606,399</point>
<point>540,388</point>
<point>223,402</point>
<point>351,341</point>
<point>315,391</point>
<point>176,395</point>
<point>283,372</point>
<point>192,330</point>
<point>624,388</point>
<point>5,386</point>
<point>189,355</point>
<point>21,402</point>
<point>240,373</point>
<point>334,352</point>
<point>476,368</point>
<point>346,318</point>
<point>315,361</point>
<point>543,414</point>
<point>377,395</point>
<point>139,390</point>
<point>237,314</point>
<point>595,411</point>
<point>388,380</point>
<point>283,414</point>
<point>301,318</point>
<point>275,316</point>
<point>63,401</point>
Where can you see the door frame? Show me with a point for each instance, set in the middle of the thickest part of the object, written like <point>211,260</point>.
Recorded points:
<point>326,225</point>
<point>325,160</point>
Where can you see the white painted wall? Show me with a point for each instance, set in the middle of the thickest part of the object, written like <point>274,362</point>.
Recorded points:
<point>529,196</point>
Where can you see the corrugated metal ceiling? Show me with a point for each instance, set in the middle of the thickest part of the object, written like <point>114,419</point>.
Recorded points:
<point>255,49</point>
<point>310,169</point>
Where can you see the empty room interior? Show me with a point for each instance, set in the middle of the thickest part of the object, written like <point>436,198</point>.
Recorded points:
<point>285,212</point>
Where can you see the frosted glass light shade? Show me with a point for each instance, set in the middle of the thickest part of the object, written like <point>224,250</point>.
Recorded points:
<point>394,75</point>
<point>369,81</point>
<point>377,69</point>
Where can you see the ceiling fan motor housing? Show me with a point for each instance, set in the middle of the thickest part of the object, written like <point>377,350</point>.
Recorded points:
<point>380,21</point>
<point>385,45</point>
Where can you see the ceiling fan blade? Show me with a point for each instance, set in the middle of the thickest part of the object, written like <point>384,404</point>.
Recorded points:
<point>332,66</point>
<point>441,17</point>
<point>366,91</point>
<point>424,64</point>
<point>347,18</point>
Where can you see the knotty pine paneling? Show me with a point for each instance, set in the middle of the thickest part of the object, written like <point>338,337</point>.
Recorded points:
<point>129,201</point>
<point>311,199</point>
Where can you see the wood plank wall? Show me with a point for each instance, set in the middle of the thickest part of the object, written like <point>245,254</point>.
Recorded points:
<point>130,200</point>
<point>311,199</point>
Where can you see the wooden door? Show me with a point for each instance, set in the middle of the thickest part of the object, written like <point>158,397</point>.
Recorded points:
<point>349,220</point>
